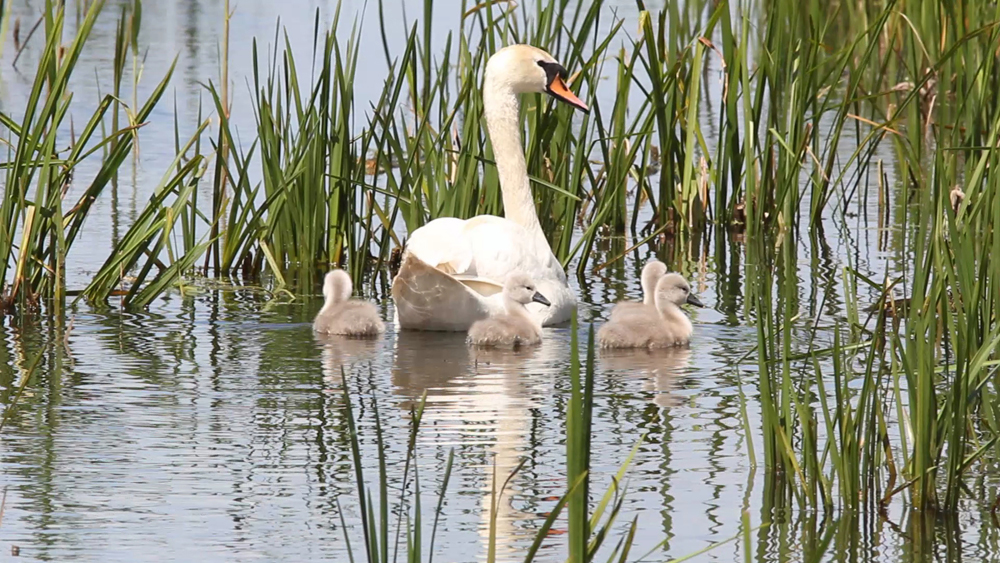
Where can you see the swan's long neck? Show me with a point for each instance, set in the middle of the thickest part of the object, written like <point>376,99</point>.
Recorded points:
<point>676,319</point>
<point>648,290</point>
<point>502,110</point>
<point>329,305</point>
<point>517,310</point>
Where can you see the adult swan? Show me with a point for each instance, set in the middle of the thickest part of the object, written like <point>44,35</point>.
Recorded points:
<point>453,270</point>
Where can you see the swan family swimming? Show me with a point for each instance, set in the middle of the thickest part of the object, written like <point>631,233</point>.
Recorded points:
<point>656,322</point>
<point>496,278</point>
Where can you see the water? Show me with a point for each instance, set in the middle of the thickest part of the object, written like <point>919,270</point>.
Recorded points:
<point>213,426</point>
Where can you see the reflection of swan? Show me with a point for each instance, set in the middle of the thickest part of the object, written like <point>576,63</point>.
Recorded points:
<point>451,268</point>
<point>651,273</point>
<point>341,314</point>
<point>502,370</point>
<point>431,362</point>
<point>660,367</point>
<point>515,327</point>
<point>478,399</point>
<point>648,327</point>
<point>341,351</point>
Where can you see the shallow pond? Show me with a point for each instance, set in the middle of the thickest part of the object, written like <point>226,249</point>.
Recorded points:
<point>213,427</point>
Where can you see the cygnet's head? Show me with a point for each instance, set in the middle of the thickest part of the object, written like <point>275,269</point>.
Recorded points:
<point>337,287</point>
<point>521,288</point>
<point>673,288</point>
<point>529,70</point>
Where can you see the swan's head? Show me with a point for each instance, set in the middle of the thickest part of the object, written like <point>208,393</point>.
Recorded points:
<point>529,70</point>
<point>521,288</point>
<point>337,287</point>
<point>651,273</point>
<point>673,288</point>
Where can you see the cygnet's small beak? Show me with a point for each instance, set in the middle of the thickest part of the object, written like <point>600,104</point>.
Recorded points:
<point>693,300</point>
<point>558,89</point>
<point>539,298</point>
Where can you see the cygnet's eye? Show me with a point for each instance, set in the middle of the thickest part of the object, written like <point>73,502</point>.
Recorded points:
<point>686,290</point>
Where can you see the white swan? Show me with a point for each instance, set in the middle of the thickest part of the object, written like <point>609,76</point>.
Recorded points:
<point>651,273</point>
<point>662,326</point>
<point>515,327</point>
<point>452,268</point>
<point>341,314</point>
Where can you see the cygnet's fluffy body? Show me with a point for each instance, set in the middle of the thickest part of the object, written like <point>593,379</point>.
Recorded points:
<point>662,327</point>
<point>345,316</point>
<point>651,273</point>
<point>515,327</point>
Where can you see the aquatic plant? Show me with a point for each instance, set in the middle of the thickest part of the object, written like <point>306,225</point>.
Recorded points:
<point>900,401</point>
<point>817,100</point>
<point>39,170</point>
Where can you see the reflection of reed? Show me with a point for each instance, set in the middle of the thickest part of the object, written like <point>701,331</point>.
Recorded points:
<point>659,367</point>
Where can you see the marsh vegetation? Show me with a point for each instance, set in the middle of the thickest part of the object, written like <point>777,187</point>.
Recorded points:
<point>757,147</point>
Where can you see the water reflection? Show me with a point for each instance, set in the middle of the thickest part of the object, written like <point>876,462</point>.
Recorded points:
<point>339,353</point>
<point>429,361</point>
<point>481,396</point>
<point>660,369</point>
<point>503,377</point>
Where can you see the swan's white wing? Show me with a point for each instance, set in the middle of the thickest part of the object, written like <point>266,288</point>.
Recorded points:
<point>440,244</point>
<point>485,246</point>
<point>482,286</point>
<point>500,246</point>
<point>428,299</point>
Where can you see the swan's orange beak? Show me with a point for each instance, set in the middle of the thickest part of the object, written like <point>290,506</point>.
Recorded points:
<point>559,90</point>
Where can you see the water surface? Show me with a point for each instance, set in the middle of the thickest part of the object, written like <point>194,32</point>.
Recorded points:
<point>213,427</point>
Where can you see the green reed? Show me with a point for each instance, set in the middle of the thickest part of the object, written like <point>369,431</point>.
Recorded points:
<point>902,401</point>
<point>40,168</point>
<point>337,181</point>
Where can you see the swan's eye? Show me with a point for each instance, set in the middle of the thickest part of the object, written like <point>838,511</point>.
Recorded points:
<point>552,70</point>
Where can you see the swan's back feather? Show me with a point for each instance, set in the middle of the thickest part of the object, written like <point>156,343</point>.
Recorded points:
<point>627,308</point>
<point>430,299</point>
<point>644,327</point>
<point>636,331</point>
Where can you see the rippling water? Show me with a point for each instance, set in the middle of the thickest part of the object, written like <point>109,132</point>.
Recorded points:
<point>214,426</point>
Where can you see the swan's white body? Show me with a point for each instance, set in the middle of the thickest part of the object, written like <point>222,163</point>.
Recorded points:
<point>452,269</point>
